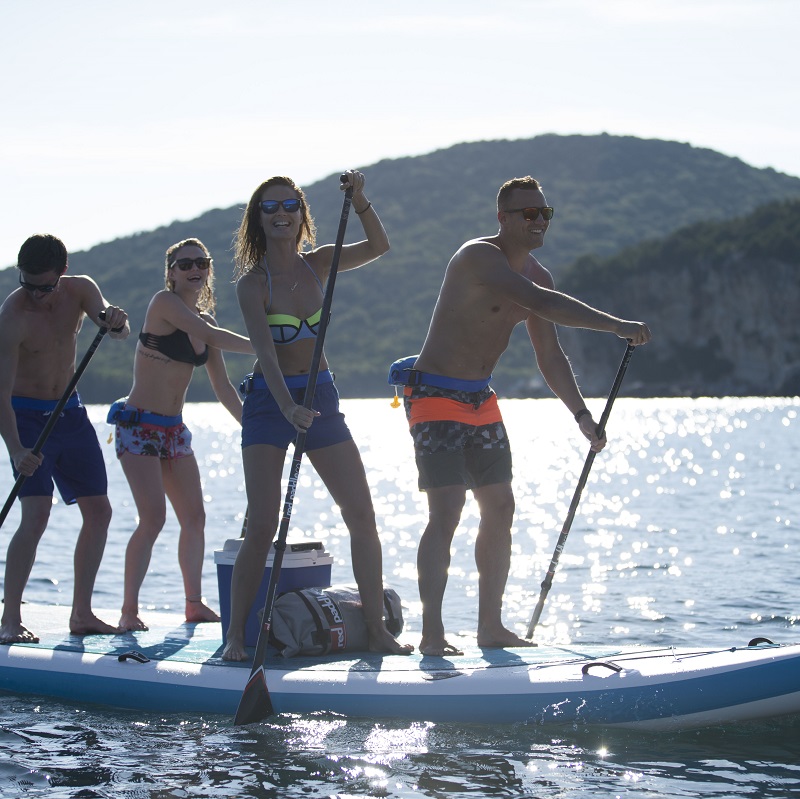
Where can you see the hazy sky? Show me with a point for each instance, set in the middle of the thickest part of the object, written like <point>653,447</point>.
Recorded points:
<point>120,117</point>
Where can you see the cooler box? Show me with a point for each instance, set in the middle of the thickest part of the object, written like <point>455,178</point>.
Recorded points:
<point>305,564</point>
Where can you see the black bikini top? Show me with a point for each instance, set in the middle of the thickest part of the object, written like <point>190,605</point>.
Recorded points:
<point>176,346</point>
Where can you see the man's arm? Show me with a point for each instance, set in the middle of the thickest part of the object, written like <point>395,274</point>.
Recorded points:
<point>490,267</point>
<point>557,372</point>
<point>93,302</point>
<point>10,338</point>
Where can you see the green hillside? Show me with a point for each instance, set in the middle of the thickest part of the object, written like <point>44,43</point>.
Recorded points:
<point>609,192</point>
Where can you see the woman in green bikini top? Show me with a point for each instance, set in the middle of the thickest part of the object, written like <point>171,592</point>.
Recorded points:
<point>280,293</point>
<point>286,328</point>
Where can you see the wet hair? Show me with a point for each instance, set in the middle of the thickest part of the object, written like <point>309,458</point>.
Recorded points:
<point>206,302</point>
<point>250,243</point>
<point>42,253</point>
<point>527,183</point>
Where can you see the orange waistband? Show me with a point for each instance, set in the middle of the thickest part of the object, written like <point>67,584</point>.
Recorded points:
<point>441,409</point>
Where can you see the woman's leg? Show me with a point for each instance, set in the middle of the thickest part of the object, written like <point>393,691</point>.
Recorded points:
<point>143,473</point>
<point>263,469</point>
<point>342,471</point>
<point>182,485</point>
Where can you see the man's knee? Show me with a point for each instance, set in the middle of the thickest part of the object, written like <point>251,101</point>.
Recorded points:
<point>496,504</point>
<point>445,506</point>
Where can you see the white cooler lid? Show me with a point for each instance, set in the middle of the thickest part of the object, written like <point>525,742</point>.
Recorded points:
<point>296,555</point>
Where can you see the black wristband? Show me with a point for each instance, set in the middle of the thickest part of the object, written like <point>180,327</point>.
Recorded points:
<point>369,205</point>
<point>582,412</point>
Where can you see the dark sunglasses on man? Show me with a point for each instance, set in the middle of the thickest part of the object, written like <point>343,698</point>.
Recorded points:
<point>532,214</point>
<point>47,288</point>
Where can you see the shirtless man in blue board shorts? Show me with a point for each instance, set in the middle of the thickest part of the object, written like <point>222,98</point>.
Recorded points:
<point>39,324</point>
<point>490,286</point>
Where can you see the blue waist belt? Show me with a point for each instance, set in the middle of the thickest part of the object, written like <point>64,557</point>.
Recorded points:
<point>254,382</point>
<point>31,404</point>
<point>403,373</point>
<point>119,414</point>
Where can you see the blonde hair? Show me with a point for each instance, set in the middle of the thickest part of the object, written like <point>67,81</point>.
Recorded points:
<point>206,302</point>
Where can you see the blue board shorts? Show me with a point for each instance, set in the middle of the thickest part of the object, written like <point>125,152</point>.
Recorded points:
<point>72,456</point>
<point>263,422</point>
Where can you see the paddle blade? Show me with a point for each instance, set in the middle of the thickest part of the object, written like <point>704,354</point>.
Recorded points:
<point>255,704</point>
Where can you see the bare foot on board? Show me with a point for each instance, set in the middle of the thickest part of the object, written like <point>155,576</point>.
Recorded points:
<point>90,625</point>
<point>438,647</point>
<point>17,634</point>
<point>383,641</point>
<point>235,649</point>
<point>131,621</point>
<point>500,638</point>
<point>198,612</point>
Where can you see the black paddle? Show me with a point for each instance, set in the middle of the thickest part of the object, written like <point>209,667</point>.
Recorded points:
<point>255,704</point>
<point>562,539</point>
<point>56,414</point>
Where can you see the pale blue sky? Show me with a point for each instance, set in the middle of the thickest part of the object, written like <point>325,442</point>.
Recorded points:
<point>120,117</point>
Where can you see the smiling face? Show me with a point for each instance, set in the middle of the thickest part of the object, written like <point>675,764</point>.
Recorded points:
<point>187,267</point>
<point>281,223</point>
<point>185,270</point>
<point>512,220</point>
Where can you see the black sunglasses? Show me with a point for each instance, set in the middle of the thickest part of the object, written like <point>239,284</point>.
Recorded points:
<point>47,288</point>
<point>185,264</point>
<point>271,206</point>
<point>532,214</point>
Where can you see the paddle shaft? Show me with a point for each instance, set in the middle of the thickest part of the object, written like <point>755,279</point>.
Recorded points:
<point>55,415</point>
<point>573,507</point>
<point>294,472</point>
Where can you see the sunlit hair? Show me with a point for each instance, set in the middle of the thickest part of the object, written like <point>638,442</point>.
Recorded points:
<point>527,183</point>
<point>206,301</point>
<point>250,243</point>
<point>42,253</point>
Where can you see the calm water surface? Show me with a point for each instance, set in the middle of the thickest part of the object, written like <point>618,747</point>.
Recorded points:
<point>686,534</point>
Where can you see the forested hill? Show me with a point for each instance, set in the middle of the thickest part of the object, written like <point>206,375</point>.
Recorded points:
<point>642,228</point>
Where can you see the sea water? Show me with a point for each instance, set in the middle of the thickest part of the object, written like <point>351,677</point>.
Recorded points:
<point>686,534</point>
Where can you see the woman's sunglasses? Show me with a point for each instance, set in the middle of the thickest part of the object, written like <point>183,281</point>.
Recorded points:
<point>47,288</point>
<point>185,264</point>
<point>271,206</point>
<point>532,214</point>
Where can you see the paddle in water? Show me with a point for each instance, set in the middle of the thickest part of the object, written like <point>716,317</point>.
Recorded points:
<point>573,507</point>
<point>255,704</point>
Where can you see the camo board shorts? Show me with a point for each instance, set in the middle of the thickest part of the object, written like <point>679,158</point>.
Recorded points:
<point>459,437</point>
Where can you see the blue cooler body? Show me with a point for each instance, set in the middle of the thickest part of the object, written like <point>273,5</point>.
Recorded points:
<point>305,564</point>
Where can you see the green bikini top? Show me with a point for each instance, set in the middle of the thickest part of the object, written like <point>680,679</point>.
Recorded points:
<point>286,328</point>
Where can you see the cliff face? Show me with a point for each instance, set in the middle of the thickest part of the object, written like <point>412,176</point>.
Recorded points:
<point>722,304</point>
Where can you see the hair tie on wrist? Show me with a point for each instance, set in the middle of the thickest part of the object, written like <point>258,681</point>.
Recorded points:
<point>582,412</point>
<point>369,205</point>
